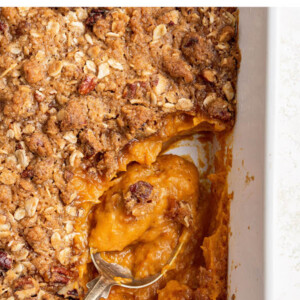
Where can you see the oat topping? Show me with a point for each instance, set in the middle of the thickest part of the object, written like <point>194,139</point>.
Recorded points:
<point>76,86</point>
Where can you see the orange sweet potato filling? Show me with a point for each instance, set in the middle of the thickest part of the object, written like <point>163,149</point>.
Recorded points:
<point>145,243</point>
<point>164,198</point>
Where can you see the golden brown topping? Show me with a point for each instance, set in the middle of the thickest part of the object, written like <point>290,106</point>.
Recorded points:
<point>177,68</point>
<point>73,116</point>
<point>39,143</point>
<point>197,50</point>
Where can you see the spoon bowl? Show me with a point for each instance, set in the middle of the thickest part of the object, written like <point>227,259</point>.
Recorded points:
<point>112,274</point>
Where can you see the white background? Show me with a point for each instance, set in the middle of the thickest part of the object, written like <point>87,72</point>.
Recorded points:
<point>287,159</point>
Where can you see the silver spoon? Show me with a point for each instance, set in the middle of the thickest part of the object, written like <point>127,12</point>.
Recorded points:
<point>113,274</point>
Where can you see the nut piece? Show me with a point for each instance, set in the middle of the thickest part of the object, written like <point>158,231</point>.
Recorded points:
<point>87,85</point>
<point>228,90</point>
<point>159,31</point>
<point>60,274</point>
<point>5,261</point>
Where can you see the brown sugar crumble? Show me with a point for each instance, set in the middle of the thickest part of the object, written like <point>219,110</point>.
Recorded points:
<point>77,86</point>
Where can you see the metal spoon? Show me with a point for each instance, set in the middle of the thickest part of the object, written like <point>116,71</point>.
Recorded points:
<point>113,274</point>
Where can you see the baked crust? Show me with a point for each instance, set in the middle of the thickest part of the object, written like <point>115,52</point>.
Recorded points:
<point>77,87</point>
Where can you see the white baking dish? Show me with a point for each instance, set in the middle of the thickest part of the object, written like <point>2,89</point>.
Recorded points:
<point>251,244</point>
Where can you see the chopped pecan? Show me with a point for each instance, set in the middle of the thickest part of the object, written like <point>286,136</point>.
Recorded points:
<point>138,199</point>
<point>94,15</point>
<point>5,261</point>
<point>137,89</point>
<point>60,275</point>
<point>130,90</point>
<point>23,283</point>
<point>191,42</point>
<point>27,173</point>
<point>22,28</point>
<point>3,26</point>
<point>87,85</point>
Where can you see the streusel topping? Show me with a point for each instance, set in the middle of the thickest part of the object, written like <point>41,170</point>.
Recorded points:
<point>76,86</point>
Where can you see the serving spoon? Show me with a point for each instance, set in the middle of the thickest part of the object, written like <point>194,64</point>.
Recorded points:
<point>112,274</point>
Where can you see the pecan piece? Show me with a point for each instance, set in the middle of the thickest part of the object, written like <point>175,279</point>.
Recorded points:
<point>5,261</point>
<point>22,28</point>
<point>27,173</point>
<point>94,15</point>
<point>87,85</point>
<point>3,26</point>
<point>138,199</point>
<point>23,283</point>
<point>59,275</point>
<point>130,90</point>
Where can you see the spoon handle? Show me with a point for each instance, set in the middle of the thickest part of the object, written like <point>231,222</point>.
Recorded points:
<point>98,288</point>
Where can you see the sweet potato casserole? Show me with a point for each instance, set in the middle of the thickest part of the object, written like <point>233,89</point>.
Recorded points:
<point>90,98</point>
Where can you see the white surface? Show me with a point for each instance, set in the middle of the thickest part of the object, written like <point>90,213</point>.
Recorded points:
<point>287,160</point>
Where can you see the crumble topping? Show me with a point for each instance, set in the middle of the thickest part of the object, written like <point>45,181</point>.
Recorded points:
<point>76,86</point>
